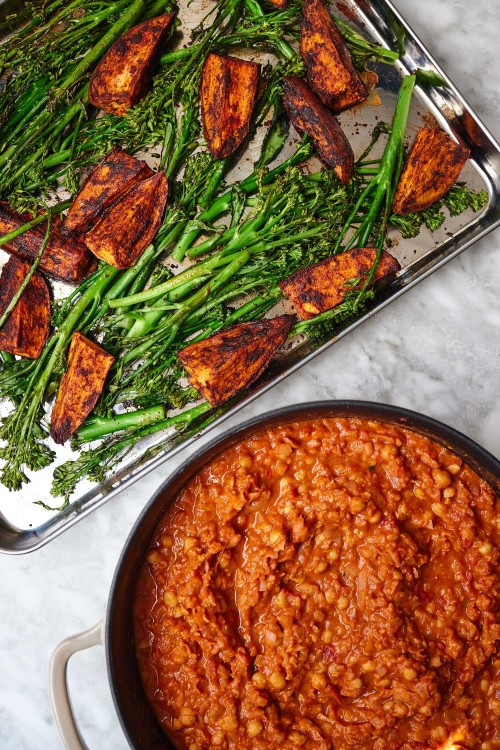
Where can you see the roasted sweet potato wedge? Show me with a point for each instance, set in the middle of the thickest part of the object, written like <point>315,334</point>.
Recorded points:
<point>434,162</point>
<point>330,69</point>
<point>230,360</point>
<point>27,327</point>
<point>309,115</point>
<point>105,184</point>
<point>64,258</point>
<point>228,93</point>
<point>279,3</point>
<point>81,385</point>
<point>320,287</point>
<point>125,72</point>
<point>128,227</point>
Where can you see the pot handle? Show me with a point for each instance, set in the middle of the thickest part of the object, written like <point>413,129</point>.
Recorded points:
<point>58,685</point>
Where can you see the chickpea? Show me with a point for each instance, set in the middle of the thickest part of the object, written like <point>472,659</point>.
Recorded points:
<point>259,680</point>
<point>170,598</point>
<point>342,603</point>
<point>400,710</point>
<point>327,636</point>
<point>330,596</point>
<point>229,722</point>
<point>439,509</point>
<point>321,567</point>
<point>190,542</point>
<point>409,673</point>
<point>319,681</point>
<point>419,493</point>
<point>277,680</point>
<point>454,468</point>
<point>486,548</point>
<point>369,666</point>
<point>166,540</point>
<point>375,517</point>
<point>276,538</point>
<point>254,728</point>
<point>441,478</point>
<point>153,557</point>
<point>357,505</point>
<point>283,450</point>
<point>187,717</point>
<point>297,738</point>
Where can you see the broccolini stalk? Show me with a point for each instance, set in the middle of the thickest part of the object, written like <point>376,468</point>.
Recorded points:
<point>96,463</point>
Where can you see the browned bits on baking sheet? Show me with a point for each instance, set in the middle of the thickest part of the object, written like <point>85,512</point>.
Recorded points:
<point>325,584</point>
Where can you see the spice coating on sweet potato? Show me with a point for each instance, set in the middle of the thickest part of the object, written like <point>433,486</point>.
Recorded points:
<point>230,360</point>
<point>64,258</point>
<point>309,115</point>
<point>107,182</point>
<point>281,4</point>
<point>27,327</point>
<point>330,69</point>
<point>434,163</point>
<point>125,231</point>
<point>228,93</point>
<point>125,72</point>
<point>320,287</point>
<point>81,385</point>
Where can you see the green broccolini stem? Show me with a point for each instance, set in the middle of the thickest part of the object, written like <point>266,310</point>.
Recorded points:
<point>382,184</point>
<point>100,426</point>
<point>222,204</point>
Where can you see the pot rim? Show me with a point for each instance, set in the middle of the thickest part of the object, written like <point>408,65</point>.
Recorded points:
<point>481,460</point>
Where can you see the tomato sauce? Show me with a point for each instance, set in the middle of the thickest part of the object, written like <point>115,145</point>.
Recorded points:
<point>330,583</point>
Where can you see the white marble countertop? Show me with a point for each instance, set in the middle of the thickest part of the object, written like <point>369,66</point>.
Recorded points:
<point>436,350</point>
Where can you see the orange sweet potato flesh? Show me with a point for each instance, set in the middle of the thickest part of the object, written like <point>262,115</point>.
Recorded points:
<point>228,93</point>
<point>434,162</point>
<point>105,184</point>
<point>64,258</point>
<point>330,69</point>
<point>80,388</point>
<point>320,287</point>
<point>309,115</point>
<point>124,232</point>
<point>230,360</point>
<point>279,3</point>
<point>27,327</point>
<point>124,75</point>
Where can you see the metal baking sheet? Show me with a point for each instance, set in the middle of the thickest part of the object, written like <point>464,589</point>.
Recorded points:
<point>25,526</point>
